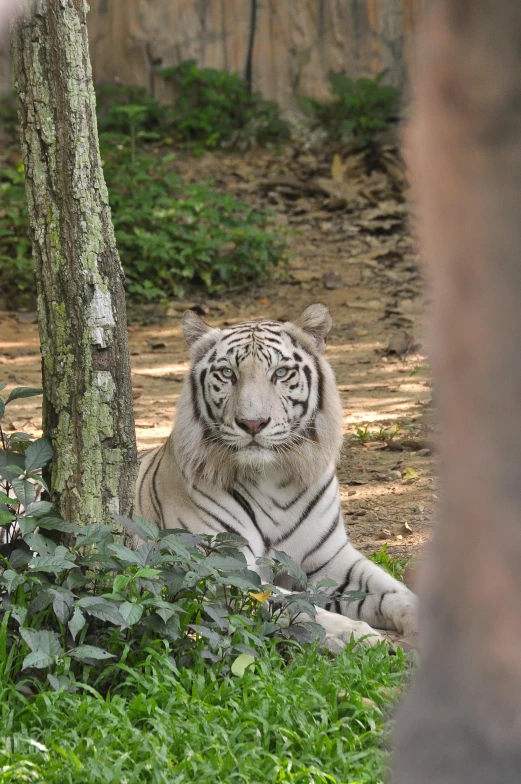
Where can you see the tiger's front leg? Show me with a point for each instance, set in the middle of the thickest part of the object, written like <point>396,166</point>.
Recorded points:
<point>387,604</point>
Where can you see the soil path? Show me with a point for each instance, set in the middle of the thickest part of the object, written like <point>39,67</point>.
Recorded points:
<point>351,250</point>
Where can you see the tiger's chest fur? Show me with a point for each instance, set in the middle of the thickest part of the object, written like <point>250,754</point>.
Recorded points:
<point>269,513</point>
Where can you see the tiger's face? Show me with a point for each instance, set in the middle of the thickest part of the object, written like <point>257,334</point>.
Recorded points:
<point>259,389</point>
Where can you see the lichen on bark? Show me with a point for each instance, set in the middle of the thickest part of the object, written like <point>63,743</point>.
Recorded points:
<point>81,303</point>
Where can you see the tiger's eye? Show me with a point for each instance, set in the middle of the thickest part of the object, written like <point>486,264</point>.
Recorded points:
<point>227,372</point>
<point>281,372</point>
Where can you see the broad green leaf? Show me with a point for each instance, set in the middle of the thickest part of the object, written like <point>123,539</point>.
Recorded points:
<point>23,392</point>
<point>12,459</point>
<point>39,508</point>
<point>120,582</point>
<point>225,562</point>
<point>10,471</point>
<point>6,517</point>
<point>27,525</point>
<point>204,631</point>
<point>102,609</point>
<point>146,530</point>
<point>40,544</point>
<point>410,474</point>
<point>89,652</point>
<point>77,622</point>
<point>124,553</point>
<point>58,524</point>
<point>147,573</point>
<point>51,563</point>
<point>131,612</point>
<point>240,664</point>
<point>4,498</point>
<point>38,659</point>
<point>12,580</point>
<point>25,492</point>
<point>2,386</point>
<point>44,641</point>
<point>40,602</point>
<point>38,454</point>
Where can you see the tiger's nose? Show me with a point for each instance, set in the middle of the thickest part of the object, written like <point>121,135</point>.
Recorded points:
<point>252,426</point>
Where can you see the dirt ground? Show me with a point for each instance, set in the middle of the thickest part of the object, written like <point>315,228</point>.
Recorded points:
<point>351,249</point>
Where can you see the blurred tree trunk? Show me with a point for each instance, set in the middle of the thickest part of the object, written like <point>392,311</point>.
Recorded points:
<point>81,302</point>
<point>461,723</point>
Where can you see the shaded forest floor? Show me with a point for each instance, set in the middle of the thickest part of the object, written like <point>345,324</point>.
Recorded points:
<point>350,248</point>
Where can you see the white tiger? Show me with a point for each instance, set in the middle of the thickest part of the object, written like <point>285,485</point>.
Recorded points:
<point>253,451</point>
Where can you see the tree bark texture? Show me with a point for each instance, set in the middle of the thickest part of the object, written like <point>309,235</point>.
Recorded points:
<point>81,301</point>
<point>461,723</point>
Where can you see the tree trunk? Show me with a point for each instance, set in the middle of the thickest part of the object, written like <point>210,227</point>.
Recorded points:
<point>81,302</point>
<point>461,723</point>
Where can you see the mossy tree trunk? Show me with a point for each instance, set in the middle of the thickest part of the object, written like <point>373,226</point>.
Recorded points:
<point>81,303</point>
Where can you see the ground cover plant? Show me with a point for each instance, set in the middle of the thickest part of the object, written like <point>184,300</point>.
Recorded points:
<point>211,109</point>
<point>295,716</point>
<point>359,110</point>
<point>170,235</point>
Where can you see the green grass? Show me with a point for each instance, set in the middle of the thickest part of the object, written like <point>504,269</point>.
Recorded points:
<point>309,720</point>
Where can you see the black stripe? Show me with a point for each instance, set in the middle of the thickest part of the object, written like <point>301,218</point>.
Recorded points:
<point>341,588</point>
<point>285,507</point>
<point>150,466</point>
<point>159,508</point>
<point>325,563</point>
<point>226,527</point>
<point>362,601</point>
<point>382,597</point>
<point>325,536</point>
<point>213,501</point>
<point>251,514</point>
<point>309,508</point>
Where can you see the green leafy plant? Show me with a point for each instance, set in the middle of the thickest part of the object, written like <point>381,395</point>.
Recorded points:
<point>395,566</point>
<point>177,235</point>
<point>16,269</point>
<point>360,108</point>
<point>170,235</point>
<point>214,108</point>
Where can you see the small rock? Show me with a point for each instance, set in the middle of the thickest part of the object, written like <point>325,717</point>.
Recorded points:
<point>393,475</point>
<point>325,227</point>
<point>424,452</point>
<point>400,343</point>
<point>27,317</point>
<point>399,536</point>
<point>332,279</point>
<point>384,533</point>
<point>371,517</point>
<point>352,492</point>
<point>155,345</point>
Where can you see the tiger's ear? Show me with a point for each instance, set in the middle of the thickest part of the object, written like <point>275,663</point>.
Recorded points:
<point>193,327</point>
<point>317,322</point>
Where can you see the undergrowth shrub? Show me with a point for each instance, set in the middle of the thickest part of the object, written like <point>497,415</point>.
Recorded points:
<point>76,598</point>
<point>175,234</point>
<point>359,110</point>
<point>170,235</point>
<point>214,108</point>
<point>211,109</point>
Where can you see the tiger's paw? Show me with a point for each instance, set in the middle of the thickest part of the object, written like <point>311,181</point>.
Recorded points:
<point>341,630</point>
